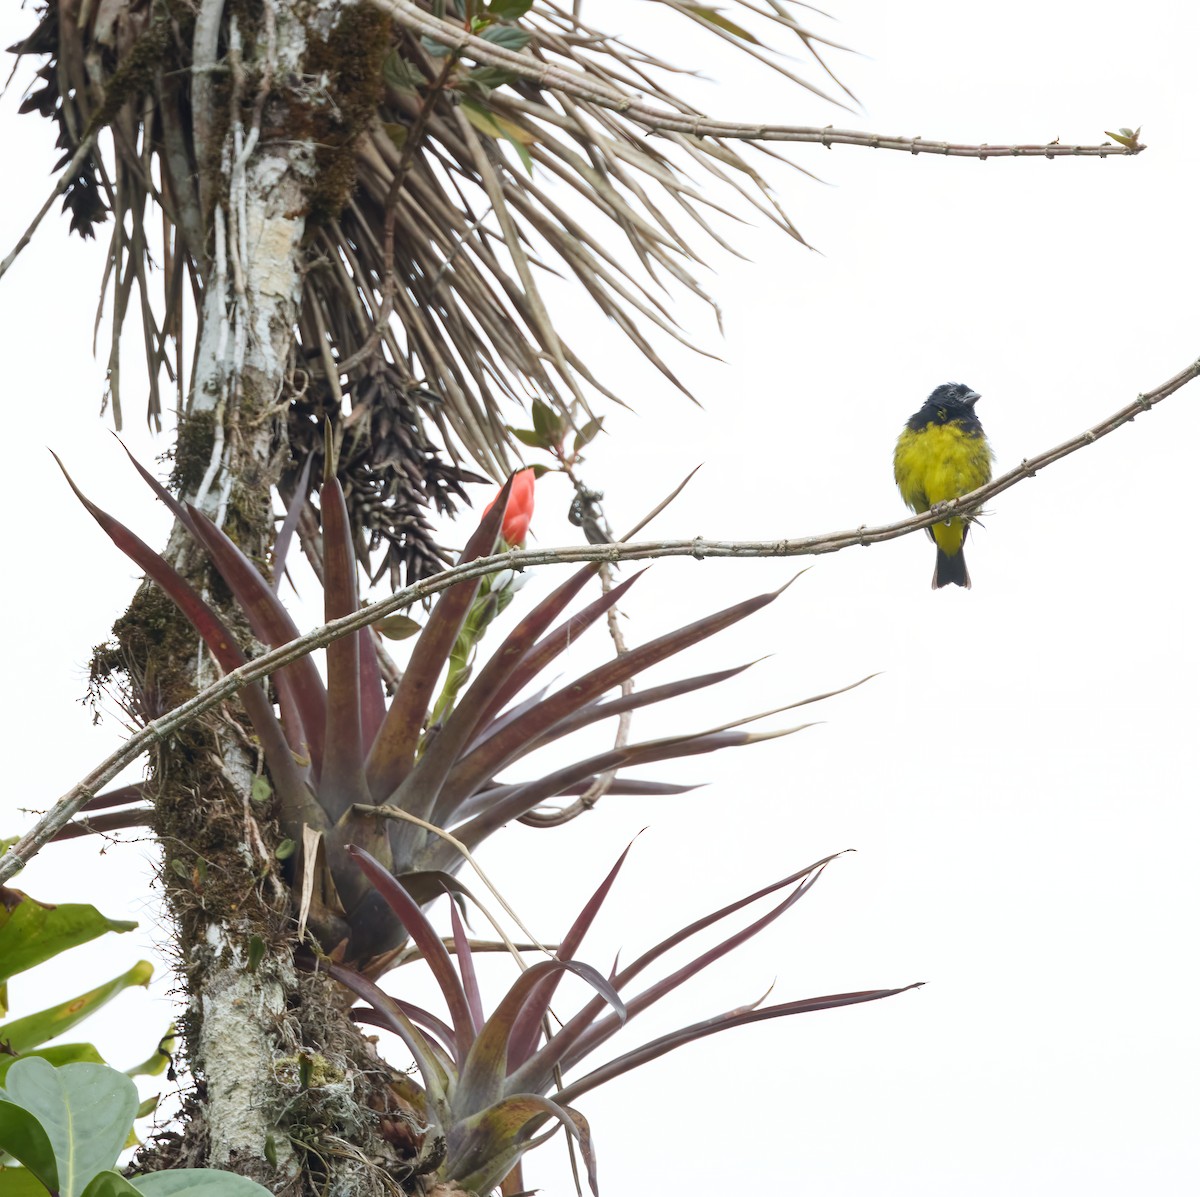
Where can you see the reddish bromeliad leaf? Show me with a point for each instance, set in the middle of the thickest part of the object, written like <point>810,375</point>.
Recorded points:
<point>337,750</point>
<point>493,1082</point>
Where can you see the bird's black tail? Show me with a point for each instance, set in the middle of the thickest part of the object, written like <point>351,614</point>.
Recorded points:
<point>951,570</point>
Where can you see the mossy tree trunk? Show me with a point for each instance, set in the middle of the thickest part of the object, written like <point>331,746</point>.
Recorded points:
<point>285,1084</point>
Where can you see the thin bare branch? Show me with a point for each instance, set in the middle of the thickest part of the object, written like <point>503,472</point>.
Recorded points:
<point>661,120</point>
<point>830,542</point>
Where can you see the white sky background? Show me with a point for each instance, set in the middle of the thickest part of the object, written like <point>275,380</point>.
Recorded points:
<point>1019,782</point>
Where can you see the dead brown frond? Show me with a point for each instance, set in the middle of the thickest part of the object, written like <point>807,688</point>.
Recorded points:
<point>444,194</point>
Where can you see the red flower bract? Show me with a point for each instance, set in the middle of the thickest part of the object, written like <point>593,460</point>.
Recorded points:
<point>519,511</point>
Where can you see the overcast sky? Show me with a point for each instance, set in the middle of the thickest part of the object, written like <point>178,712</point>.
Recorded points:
<point>1020,780</point>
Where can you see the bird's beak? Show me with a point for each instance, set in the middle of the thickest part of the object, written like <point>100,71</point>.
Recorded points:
<point>971,398</point>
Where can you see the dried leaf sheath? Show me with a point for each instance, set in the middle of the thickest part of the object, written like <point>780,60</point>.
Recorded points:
<point>470,333</point>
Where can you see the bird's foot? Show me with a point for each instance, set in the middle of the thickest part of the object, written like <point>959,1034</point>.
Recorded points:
<point>943,510</point>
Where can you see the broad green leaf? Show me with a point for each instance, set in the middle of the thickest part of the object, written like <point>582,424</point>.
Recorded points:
<point>260,789</point>
<point>31,932</point>
<point>197,1182</point>
<point>34,1029</point>
<point>24,1138</point>
<point>507,36</point>
<point>20,1182</point>
<point>85,1109</point>
<point>509,10</point>
<point>60,1054</point>
<point>109,1184</point>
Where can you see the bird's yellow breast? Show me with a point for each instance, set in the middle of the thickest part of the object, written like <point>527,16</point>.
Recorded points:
<point>937,463</point>
<point>940,462</point>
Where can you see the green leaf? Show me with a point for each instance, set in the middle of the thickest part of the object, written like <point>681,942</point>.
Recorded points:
<point>489,78</point>
<point>509,10</point>
<point>588,433</point>
<point>1126,137</point>
<point>60,1054</point>
<point>519,144</point>
<point>527,436</point>
<point>400,73</point>
<point>285,849</point>
<point>109,1184</point>
<point>86,1111</point>
<point>548,423</point>
<point>24,1138</point>
<point>500,127</point>
<point>20,1182</point>
<point>260,789</point>
<point>198,1182</point>
<point>258,949</point>
<point>495,1136</point>
<point>34,1029</point>
<point>397,133</point>
<point>31,931</point>
<point>508,37</point>
<point>721,22</point>
<point>397,627</point>
<point>435,49</point>
<point>157,1063</point>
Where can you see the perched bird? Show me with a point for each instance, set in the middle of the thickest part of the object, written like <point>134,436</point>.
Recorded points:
<point>941,454</point>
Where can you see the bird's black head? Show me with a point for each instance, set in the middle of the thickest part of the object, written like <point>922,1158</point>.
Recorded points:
<point>951,403</point>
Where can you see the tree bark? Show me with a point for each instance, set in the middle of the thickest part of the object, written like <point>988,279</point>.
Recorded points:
<point>287,1090</point>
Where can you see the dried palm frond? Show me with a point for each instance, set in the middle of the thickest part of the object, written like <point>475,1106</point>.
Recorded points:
<point>443,192</point>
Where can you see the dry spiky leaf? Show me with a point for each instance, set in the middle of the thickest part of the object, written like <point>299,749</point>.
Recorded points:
<point>444,190</point>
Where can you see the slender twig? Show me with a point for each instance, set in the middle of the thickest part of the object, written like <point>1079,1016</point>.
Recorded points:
<point>162,728</point>
<point>603,783</point>
<point>662,120</point>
